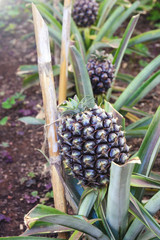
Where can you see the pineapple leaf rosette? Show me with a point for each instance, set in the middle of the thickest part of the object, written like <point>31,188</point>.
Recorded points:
<point>90,139</point>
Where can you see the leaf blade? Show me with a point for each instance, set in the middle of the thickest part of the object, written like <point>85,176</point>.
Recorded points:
<point>118,195</point>
<point>134,85</point>
<point>82,80</point>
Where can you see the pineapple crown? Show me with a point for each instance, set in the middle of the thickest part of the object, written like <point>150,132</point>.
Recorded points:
<point>101,56</point>
<point>74,106</point>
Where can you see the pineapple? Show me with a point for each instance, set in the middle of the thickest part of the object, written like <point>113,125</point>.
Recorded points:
<point>101,72</point>
<point>85,12</point>
<point>90,139</point>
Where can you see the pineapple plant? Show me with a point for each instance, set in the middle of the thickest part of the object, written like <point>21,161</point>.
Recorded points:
<point>85,12</point>
<point>101,72</point>
<point>118,206</point>
<point>90,139</point>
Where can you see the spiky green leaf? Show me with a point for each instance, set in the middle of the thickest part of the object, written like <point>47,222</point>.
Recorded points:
<point>145,37</point>
<point>104,9</point>
<point>122,18</point>
<point>32,120</point>
<point>108,24</point>
<point>136,83</point>
<point>141,213</point>
<point>144,89</point>
<point>83,84</point>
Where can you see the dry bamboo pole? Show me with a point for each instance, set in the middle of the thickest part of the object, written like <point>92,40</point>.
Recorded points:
<point>65,50</point>
<point>56,47</point>
<point>50,106</point>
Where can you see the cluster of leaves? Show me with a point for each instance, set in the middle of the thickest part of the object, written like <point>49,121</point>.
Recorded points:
<point>11,101</point>
<point>3,121</point>
<point>125,191</point>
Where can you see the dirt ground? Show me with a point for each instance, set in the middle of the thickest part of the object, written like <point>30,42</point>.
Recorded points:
<point>22,167</point>
<point>24,178</point>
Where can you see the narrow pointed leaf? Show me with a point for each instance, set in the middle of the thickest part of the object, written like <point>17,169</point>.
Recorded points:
<point>87,203</point>
<point>150,146</point>
<point>49,16</point>
<point>136,83</point>
<point>108,43</point>
<point>76,32</point>
<point>137,209</point>
<point>27,69</point>
<point>76,235</point>
<point>125,77</point>
<point>147,235</point>
<point>104,10</point>
<point>83,84</point>
<point>135,111</point>
<point>155,175</point>
<point>145,37</point>
<point>74,222</point>
<point>48,7</point>
<point>140,123</point>
<point>75,189</point>
<point>122,48</point>
<point>32,120</point>
<point>148,151</point>
<point>136,132</point>
<point>45,228</point>
<point>40,211</point>
<point>144,89</point>
<point>144,182</point>
<point>34,78</point>
<point>122,18</point>
<point>123,45</point>
<point>30,80</point>
<point>55,35</point>
<point>152,206</point>
<point>100,209</point>
<point>108,24</point>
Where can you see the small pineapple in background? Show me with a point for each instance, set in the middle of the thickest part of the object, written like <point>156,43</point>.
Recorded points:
<point>90,139</point>
<point>101,72</point>
<point>85,12</point>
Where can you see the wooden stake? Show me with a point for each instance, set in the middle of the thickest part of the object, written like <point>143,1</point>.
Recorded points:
<point>56,47</point>
<point>50,106</point>
<point>65,50</point>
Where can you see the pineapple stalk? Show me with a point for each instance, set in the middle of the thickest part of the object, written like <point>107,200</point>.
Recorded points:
<point>65,50</point>
<point>49,100</point>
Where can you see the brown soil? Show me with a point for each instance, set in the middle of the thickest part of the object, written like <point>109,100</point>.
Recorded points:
<point>19,157</point>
